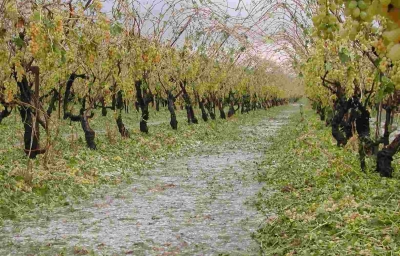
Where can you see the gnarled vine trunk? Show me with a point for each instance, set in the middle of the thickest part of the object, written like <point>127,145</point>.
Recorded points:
<point>385,158</point>
<point>171,109</point>
<point>337,122</point>
<point>364,133</point>
<point>120,105</point>
<point>203,110</point>
<point>31,138</point>
<point>158,99</point>
<point>29,117</point>
<point>5,113</point>
<point>143,105</point>
<point>219,103</point>
<point>231,110</point>
<point>201,101</point>
<point>386,133</point>
<point>83,118</point>
<point>188,105</point>
<point>52,105</point>
<point>210,108</point>
<point>103,107</point>
<point>89,132</point>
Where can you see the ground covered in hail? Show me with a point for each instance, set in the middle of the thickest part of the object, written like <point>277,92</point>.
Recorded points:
<point>186,192</point>
<point>268,182</point>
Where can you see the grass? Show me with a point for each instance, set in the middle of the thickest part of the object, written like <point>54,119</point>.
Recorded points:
<point>71,171</point>
<point>323,204</point>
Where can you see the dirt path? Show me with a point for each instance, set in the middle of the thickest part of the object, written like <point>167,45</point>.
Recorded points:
<point>194,205</point>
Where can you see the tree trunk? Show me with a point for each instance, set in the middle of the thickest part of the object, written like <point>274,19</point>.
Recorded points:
<point>82,117</point>
<point>221,110</point>
<point>5,113</point>
<point>386,133</point>
<point>31,138</point>
<point>103,107</point>
<point>158,103</point>
<point>31,126</point>
<point>188,105</point>
<point>203,111</point>
<point>210,108</point>
<point>171,109</point>
<point>231,110</point>
<point>120,106</point>
<point>121,127</point>
<point>143,107</point>
<point>378,121</point>
<point>321,111</point>
<point>337,122</point>
<point>53,101</point>
<point>89,133</point>
<point>364,133</point>
<point>385,158</point>
<point>67,94</point>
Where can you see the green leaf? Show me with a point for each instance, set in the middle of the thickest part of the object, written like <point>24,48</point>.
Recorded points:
<point>379,96</point>
<point>18,41</point>
<point>377,76</point>
<point>48,23</point>
<point>116,29</point>
<point>377,62</point>
<point>344,56</point>
<point>63,59</point>
<point>328,66</point>
<point>55,48</point>
<point>387,87</point>
<point>36,16</point>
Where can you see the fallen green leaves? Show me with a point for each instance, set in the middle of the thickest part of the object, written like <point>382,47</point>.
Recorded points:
<point>323,204</point>
<point>71,171</point>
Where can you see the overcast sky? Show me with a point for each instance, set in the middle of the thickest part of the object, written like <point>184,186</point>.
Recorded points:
<point>218,7</point>
<point>238,10</point>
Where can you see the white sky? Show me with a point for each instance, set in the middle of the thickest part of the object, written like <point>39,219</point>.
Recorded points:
<point>238,15</point>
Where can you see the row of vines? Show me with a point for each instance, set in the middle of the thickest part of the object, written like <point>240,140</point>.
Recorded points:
<point>348,53</point>
<point>63,59</point>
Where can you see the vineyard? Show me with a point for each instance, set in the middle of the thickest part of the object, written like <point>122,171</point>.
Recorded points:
<point>99,94</point>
